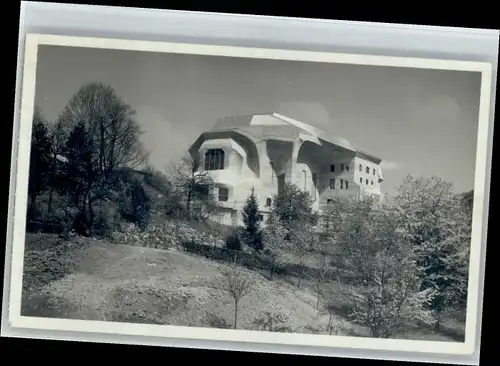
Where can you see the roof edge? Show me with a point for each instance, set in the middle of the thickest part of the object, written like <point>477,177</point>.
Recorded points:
<point>368,156</point>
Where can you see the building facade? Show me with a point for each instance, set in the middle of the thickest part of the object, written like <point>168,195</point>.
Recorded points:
<point>268,151</point>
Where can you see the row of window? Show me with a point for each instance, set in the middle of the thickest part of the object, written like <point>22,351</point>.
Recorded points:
<point>345,167</point>
<point>367,169</point>
<point>224,196</point>
<point>343,184</point>
<point>214,160</point>
<point>366,181</point>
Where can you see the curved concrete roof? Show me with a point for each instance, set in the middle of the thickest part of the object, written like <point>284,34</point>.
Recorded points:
<point>265,126</point>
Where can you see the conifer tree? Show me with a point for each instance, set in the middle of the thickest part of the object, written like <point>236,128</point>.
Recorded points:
<point>253,232</point>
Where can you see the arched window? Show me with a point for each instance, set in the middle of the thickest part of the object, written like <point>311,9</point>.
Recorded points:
<point>214,159</point>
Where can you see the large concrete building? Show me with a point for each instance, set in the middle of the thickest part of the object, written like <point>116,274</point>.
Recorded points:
<point>267,151</point>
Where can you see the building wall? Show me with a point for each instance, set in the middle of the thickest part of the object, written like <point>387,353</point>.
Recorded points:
<point>239,177</point>
<point>318,160</point>
<point>261,165</point>
<point>367,180</point>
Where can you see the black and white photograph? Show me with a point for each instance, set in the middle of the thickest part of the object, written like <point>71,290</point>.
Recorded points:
<point>267,194</point>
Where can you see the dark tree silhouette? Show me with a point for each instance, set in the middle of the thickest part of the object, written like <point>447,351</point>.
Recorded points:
<point>251,220</point>
<point>40,159</point>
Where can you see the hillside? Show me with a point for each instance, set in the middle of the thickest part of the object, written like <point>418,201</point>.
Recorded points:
<point>96,280</point>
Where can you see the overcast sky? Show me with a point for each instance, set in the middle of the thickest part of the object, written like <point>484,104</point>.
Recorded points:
<point>422,122</point>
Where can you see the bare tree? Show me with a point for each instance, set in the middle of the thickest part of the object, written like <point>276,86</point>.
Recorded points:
<point>112,124</point>
<point>193,185</point>
<point>103,140</point>
<point>237,284</point>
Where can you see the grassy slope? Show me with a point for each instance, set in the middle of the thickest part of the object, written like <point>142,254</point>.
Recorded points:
<point>96,280</point>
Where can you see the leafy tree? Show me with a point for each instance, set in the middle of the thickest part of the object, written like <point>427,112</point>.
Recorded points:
<point>380,267</point>
<point>40,162</point>
<point>303,239</point>
<point>275,243</point>
<point>294,206</point>
<point>251,220</point>
<point>438,225</point>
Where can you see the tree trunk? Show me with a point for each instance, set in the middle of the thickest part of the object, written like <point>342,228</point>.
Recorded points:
<point>51,189</point>
<point>188,204</point>
<point>31,207</point>
<point>330,324</point>
<point>318,292</point>
<point>235,314</point>
<point>437,324</point>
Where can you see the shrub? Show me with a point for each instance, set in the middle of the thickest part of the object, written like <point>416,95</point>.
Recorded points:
<point>274,319</point>
<point>107,219</point>
<point>233,242</point>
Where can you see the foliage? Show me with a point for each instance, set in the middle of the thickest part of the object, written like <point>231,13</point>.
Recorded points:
<point>158,181</point>
<point>238,285</point>
<point>275,243</point>
<point>303,239</point>
<point>293,206</point>
<point>193,186</point>
<point>385,291</point>
<point>233,241</point>
<point>40,159</point>
<point>251,220</point>
<point>94,139</point>
<point>438,223</point>
<point>141,205</point>
<point>274,319</point>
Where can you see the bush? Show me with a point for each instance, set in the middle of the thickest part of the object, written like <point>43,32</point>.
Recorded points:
<point>275,319</point>
<point>107,219</point>
<point>233,242</point>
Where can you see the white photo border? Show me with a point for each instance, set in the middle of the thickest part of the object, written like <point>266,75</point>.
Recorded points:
<point>22,144</point>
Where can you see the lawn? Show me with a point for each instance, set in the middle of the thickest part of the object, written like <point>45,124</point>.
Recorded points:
<point>97,280</point>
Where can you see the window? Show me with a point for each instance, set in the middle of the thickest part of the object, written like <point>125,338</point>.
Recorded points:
<point>315,179</point>
<point>261,217</point>
<point>346,185</point>
<point>329,201</point>
<point>373,171</point>
<point>341,184</point>
<point>360,180</point>
<point>341,167</point>
<point>268,202</point>
<point>367,170</point>
<point>214,159</point>
<point>372,182</point>
<point>360,167</point>
<point>332,183</point>
<point>366,182</point>
<point>223,194</point>
<point>332,168</point>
